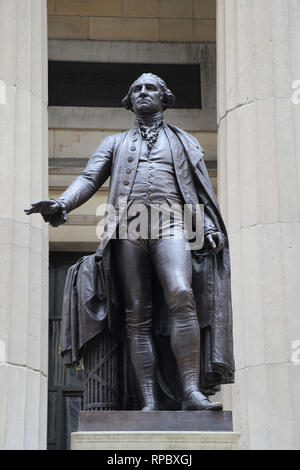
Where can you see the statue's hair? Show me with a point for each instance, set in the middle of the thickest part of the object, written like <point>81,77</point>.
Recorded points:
<point>167,100</point>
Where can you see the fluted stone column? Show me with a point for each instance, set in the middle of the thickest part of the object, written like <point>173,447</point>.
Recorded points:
<point>258,43</point>
<point>23,240</point>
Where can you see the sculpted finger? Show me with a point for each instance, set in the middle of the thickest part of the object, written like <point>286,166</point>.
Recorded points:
<point>220,239</point>
<point>32,209</point>
<point>220,247</point>
<point>211,241</point>
<point>37,207</point>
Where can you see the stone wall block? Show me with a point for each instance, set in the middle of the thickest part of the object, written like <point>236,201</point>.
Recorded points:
<point>136,8</point>
<point>75,143</point>
<point>204,30</point>
<point>175,9</point>
<point>126,29</point>
<point>132,51</point>
<point>51,7</point>
<point>89,7</point>
<point>204,9</point>
<point>68,27</point>
<point>176,29</point>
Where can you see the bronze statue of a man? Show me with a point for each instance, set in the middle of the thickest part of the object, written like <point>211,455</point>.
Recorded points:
<point>152,165</point>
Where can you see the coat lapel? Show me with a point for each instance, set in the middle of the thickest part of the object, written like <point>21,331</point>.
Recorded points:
<point>192,147</point>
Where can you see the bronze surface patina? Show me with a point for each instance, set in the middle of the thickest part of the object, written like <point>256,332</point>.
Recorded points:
<point>168,307</point>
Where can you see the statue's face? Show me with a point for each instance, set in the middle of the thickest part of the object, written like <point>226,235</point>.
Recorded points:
<point>146,95</point>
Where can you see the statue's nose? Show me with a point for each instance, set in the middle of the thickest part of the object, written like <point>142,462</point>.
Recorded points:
<point>143,91</point>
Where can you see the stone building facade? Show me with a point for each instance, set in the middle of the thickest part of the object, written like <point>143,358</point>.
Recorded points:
<point>248,57</point>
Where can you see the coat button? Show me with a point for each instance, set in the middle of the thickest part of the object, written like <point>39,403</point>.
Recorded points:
<point>128,171</point>
<point>130,159</point>
<point>126,183</point>
<point>133,148</point>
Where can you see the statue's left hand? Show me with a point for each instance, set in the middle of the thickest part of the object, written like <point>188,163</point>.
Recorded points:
<point>216,241</point>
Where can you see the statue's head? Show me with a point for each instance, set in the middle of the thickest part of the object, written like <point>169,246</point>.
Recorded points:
<point>148,95</point>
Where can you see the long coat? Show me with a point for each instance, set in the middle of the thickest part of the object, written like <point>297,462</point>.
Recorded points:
<point>117,157</point>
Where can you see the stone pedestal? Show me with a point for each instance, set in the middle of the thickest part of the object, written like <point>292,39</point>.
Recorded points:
<point>157,430</point>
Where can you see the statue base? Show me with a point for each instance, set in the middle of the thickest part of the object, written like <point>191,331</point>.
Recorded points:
<point>155,430</point>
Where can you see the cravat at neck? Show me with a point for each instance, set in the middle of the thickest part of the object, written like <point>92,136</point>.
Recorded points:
<point>150,121</point>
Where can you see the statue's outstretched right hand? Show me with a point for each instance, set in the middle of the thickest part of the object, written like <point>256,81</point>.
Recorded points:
<point>45,207</point>
<point>51,210</point>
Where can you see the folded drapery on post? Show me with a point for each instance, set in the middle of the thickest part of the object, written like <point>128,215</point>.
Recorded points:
<point>84,307</point>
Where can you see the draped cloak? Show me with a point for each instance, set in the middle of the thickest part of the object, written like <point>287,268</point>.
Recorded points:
<point>92,302</point>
